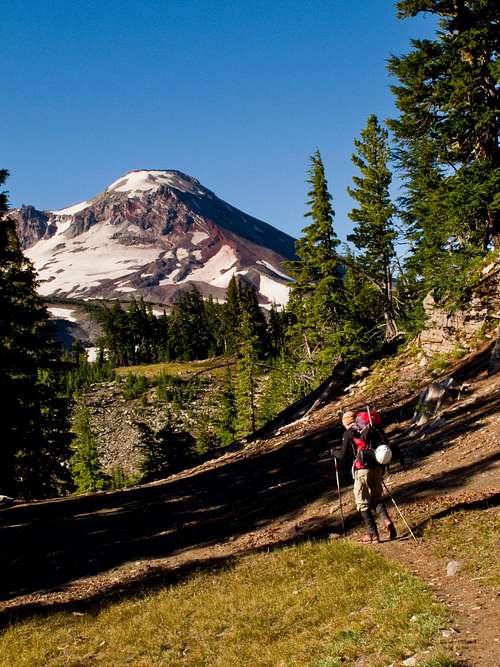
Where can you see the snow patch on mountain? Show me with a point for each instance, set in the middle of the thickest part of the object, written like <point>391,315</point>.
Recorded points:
<point>197,237</point>
<point>276,292</point>
<point>71,210</point>
<point>216,269</point>
<point>73,265</point>
<point>145,180</point>
<point>273,269</point>
<point>62,313</point>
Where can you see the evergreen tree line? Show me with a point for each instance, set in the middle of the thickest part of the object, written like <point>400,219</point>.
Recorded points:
<point>195,329</point>
<point>444,147</point>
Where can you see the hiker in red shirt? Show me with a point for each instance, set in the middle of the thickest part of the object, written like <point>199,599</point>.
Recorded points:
<point>368,477</point>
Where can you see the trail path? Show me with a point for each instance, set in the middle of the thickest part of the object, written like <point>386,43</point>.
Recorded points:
<point>474,636</point>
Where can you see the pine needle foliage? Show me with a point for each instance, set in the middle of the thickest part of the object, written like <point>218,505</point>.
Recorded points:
<point>34,415</point>
<point>447,136</point>
<point>245,384</point>
<point>317,297</point>
<point>85,466</point>
<point>374,234</point>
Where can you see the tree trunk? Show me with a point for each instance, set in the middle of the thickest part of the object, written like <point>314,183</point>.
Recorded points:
<point>389,317</point>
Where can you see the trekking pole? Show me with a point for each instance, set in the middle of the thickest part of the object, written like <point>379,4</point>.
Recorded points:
<point>340,497</point>
<point>369,415</point>
<point>400,513</point>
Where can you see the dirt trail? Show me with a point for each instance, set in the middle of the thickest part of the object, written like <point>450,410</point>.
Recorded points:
<point>474,635</point>
<point>78,552</point>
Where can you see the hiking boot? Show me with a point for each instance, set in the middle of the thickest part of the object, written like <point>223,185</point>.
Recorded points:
<point>371,536</point>
<point>390,529</point>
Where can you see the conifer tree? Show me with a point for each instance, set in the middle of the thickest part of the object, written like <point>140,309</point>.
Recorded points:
<point>246,372</point>
<point>116,337</point>
<point>317,295</point>
<point>231,316</point>
<point>374,232</point>
<point>190,327</point>
<point>364,308</point>
<point>276,331</point>
<point>165,451</point>
<point>35,420</point>
<point>448,98</point>
<point>215,327</point>
<point>84,463</point>
<point>249,304</point>
<point>226,417</point>
<point>427,231</point>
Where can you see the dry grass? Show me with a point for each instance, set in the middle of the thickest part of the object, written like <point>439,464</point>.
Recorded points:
<point>184,369</point>
<point>472,537</point>
<point>318,604</point>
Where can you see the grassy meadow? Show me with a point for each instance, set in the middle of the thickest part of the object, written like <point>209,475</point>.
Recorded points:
<point>471,537</point>
<point>318,604</point>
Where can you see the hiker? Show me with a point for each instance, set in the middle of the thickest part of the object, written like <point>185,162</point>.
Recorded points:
<point>368,479</point>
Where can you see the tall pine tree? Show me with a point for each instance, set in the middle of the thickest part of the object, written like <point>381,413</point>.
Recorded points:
<point>246,372</point>
<point>448,98</point>
<point>35,427</point>
<point>84,463</point>
<point>374,232</point>
<point>317,295</point>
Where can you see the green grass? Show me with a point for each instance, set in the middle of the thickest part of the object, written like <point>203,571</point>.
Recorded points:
<point>440,660</point>
<point>438,363</point>
<point>319,604</point>
<point>472,537</point>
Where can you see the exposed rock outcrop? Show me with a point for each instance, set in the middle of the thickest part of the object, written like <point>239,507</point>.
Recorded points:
<point>446,329</point>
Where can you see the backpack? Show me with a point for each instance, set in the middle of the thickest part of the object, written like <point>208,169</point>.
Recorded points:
<point>371,436</point>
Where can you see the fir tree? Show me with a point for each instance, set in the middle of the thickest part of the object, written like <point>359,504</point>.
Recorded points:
<point>374,232</point>
<point>448,97</point>
<point>35,428</point>
<point>189,327</point>
<point>231,316</point>
<point>117,339</point>
<point>276,331</point>
<point>317,297</point>
<point>165,451</point>
<point>246,372</point>
<point>249,304</point>
<point>84,463</point>
<point>226,418</point>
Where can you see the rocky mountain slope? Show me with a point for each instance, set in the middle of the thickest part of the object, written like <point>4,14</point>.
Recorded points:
<point>152,233</point>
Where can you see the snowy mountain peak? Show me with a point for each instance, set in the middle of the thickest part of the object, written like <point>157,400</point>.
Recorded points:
<point>145,180</point>
<point>153,233</point>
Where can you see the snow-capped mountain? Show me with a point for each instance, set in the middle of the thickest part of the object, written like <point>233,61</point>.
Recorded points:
<point>152,233</point>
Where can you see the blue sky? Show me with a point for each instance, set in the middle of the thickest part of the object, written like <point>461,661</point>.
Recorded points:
<point>237,94</point>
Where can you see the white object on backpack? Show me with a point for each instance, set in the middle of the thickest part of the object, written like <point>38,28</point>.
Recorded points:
<point>383,455</point>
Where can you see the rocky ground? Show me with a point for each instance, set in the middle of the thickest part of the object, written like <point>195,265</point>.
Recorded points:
<point>74,553</point>
<point>115,419</point>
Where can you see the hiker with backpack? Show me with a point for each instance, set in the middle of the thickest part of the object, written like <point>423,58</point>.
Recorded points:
<point>365,438</point>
